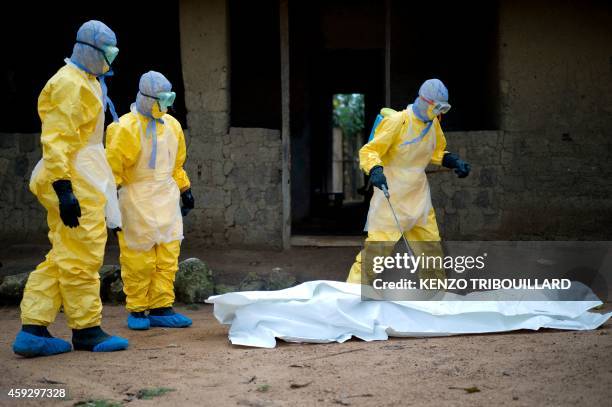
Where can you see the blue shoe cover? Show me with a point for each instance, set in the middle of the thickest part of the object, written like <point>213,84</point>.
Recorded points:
<point>170,321</point>
<point>29,345</point>
<point>112,344</point>
<point>138,324</point>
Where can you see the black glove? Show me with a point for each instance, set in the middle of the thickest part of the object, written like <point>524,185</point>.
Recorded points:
<point>377,177</point>
<point>188,202</point>
<point>462,168</point>
<point>70,210</point>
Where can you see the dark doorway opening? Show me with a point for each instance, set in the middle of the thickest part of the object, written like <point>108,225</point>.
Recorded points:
<point>448,43</point>
<point>384,51</point>
<point>337,48</point>
<point>255,64</point>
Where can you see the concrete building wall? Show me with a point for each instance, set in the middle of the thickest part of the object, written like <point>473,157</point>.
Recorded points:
<point>235,172</point>
<point>556,101</point>
<point>545,173</point>
<point>21,216</point>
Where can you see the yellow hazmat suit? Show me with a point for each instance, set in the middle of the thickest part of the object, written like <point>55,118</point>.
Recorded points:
<point>404,162</point>
<point>70,108</point>
<point>149,201</point>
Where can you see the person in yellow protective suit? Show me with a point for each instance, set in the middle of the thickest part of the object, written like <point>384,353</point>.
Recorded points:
<point>146,151</point>
<point>403,144</point>
<point>74,183</point>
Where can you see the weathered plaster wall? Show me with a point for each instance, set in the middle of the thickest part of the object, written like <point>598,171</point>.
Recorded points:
<point>21,216</point>
<point>235,172</point>
<point>556,88</point>
<point>545,174</point>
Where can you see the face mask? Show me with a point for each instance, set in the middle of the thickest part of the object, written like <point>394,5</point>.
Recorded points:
<point>108,51</point>
<point>436,108</point>
<point>164,99</point>
<point>156,112</point>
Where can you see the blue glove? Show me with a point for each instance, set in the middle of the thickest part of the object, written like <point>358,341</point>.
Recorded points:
<point>188,202</point>
<point>377,178</point>
<point>462,168</point>
<point>69,208</point>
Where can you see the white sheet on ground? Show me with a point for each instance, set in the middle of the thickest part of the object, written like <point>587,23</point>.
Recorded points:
<point>331,311</point>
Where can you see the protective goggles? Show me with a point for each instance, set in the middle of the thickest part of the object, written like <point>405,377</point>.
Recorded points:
<point>110,52</point>
<point>438,107</point>
<point>165,99</point>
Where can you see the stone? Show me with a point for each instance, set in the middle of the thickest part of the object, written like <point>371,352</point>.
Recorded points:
<point>242,216</point>
<point>11,289</point>
<point>22,165</point>
<point>28,142</point>
<point>7,140</point>
<point>115,293</point>
<point>460,198</point>
<point>4,165</point>
<point>488,177</point>
<point>194,281</point>
<point>108,275</point>
<point>253,282</point>
<point>482,199</point>
<point>279,279</point>
<point>224,289</point>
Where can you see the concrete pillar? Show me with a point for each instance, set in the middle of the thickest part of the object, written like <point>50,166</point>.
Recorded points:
<point>205,60</point>
<point>286,126</point>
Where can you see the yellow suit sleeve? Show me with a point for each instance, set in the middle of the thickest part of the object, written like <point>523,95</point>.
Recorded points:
<point>68,111</point>
<point>440,150</point>
<point>387,131</point>
<point>122,147</point>
<point>180,175</point>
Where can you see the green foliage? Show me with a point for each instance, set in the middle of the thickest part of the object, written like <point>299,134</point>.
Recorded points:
<point>148,394</point>
<point>348,113</point>
<point>263,388</point>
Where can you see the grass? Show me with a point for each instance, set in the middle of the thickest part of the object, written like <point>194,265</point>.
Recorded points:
<point>263,388</point>
<point>148,394</point>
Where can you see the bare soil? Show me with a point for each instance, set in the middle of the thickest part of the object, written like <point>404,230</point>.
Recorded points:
<point>545,368</point>
<point>515,369</point>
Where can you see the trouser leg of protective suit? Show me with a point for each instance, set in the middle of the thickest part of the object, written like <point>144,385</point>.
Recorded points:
<point>419,233</point>
<point>69,275</point>
<point>161,291</point>
<point>148,275</point>
<point>41,299</point>
<point>137,266</point>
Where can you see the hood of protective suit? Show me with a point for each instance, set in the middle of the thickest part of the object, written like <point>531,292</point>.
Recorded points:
<point>99,35</point>
<point>151,83</point>
<point>432,89</point>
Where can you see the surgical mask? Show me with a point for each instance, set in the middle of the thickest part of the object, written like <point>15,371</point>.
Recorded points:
<point>156,112</point>
<point>108,51</point>
<point>437,108</point>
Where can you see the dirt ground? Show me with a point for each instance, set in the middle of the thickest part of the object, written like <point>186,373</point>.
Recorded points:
<point>516,369</point>
<point>556,368</point>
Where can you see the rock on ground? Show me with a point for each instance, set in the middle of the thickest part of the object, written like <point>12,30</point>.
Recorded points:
<point>194,281</point>
<point>109,274</point>
<point>277,279</point>
<point>11,288</point>
<point>115,292</point>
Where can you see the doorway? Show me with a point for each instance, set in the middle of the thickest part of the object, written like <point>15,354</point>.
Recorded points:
<point>337,76</point>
